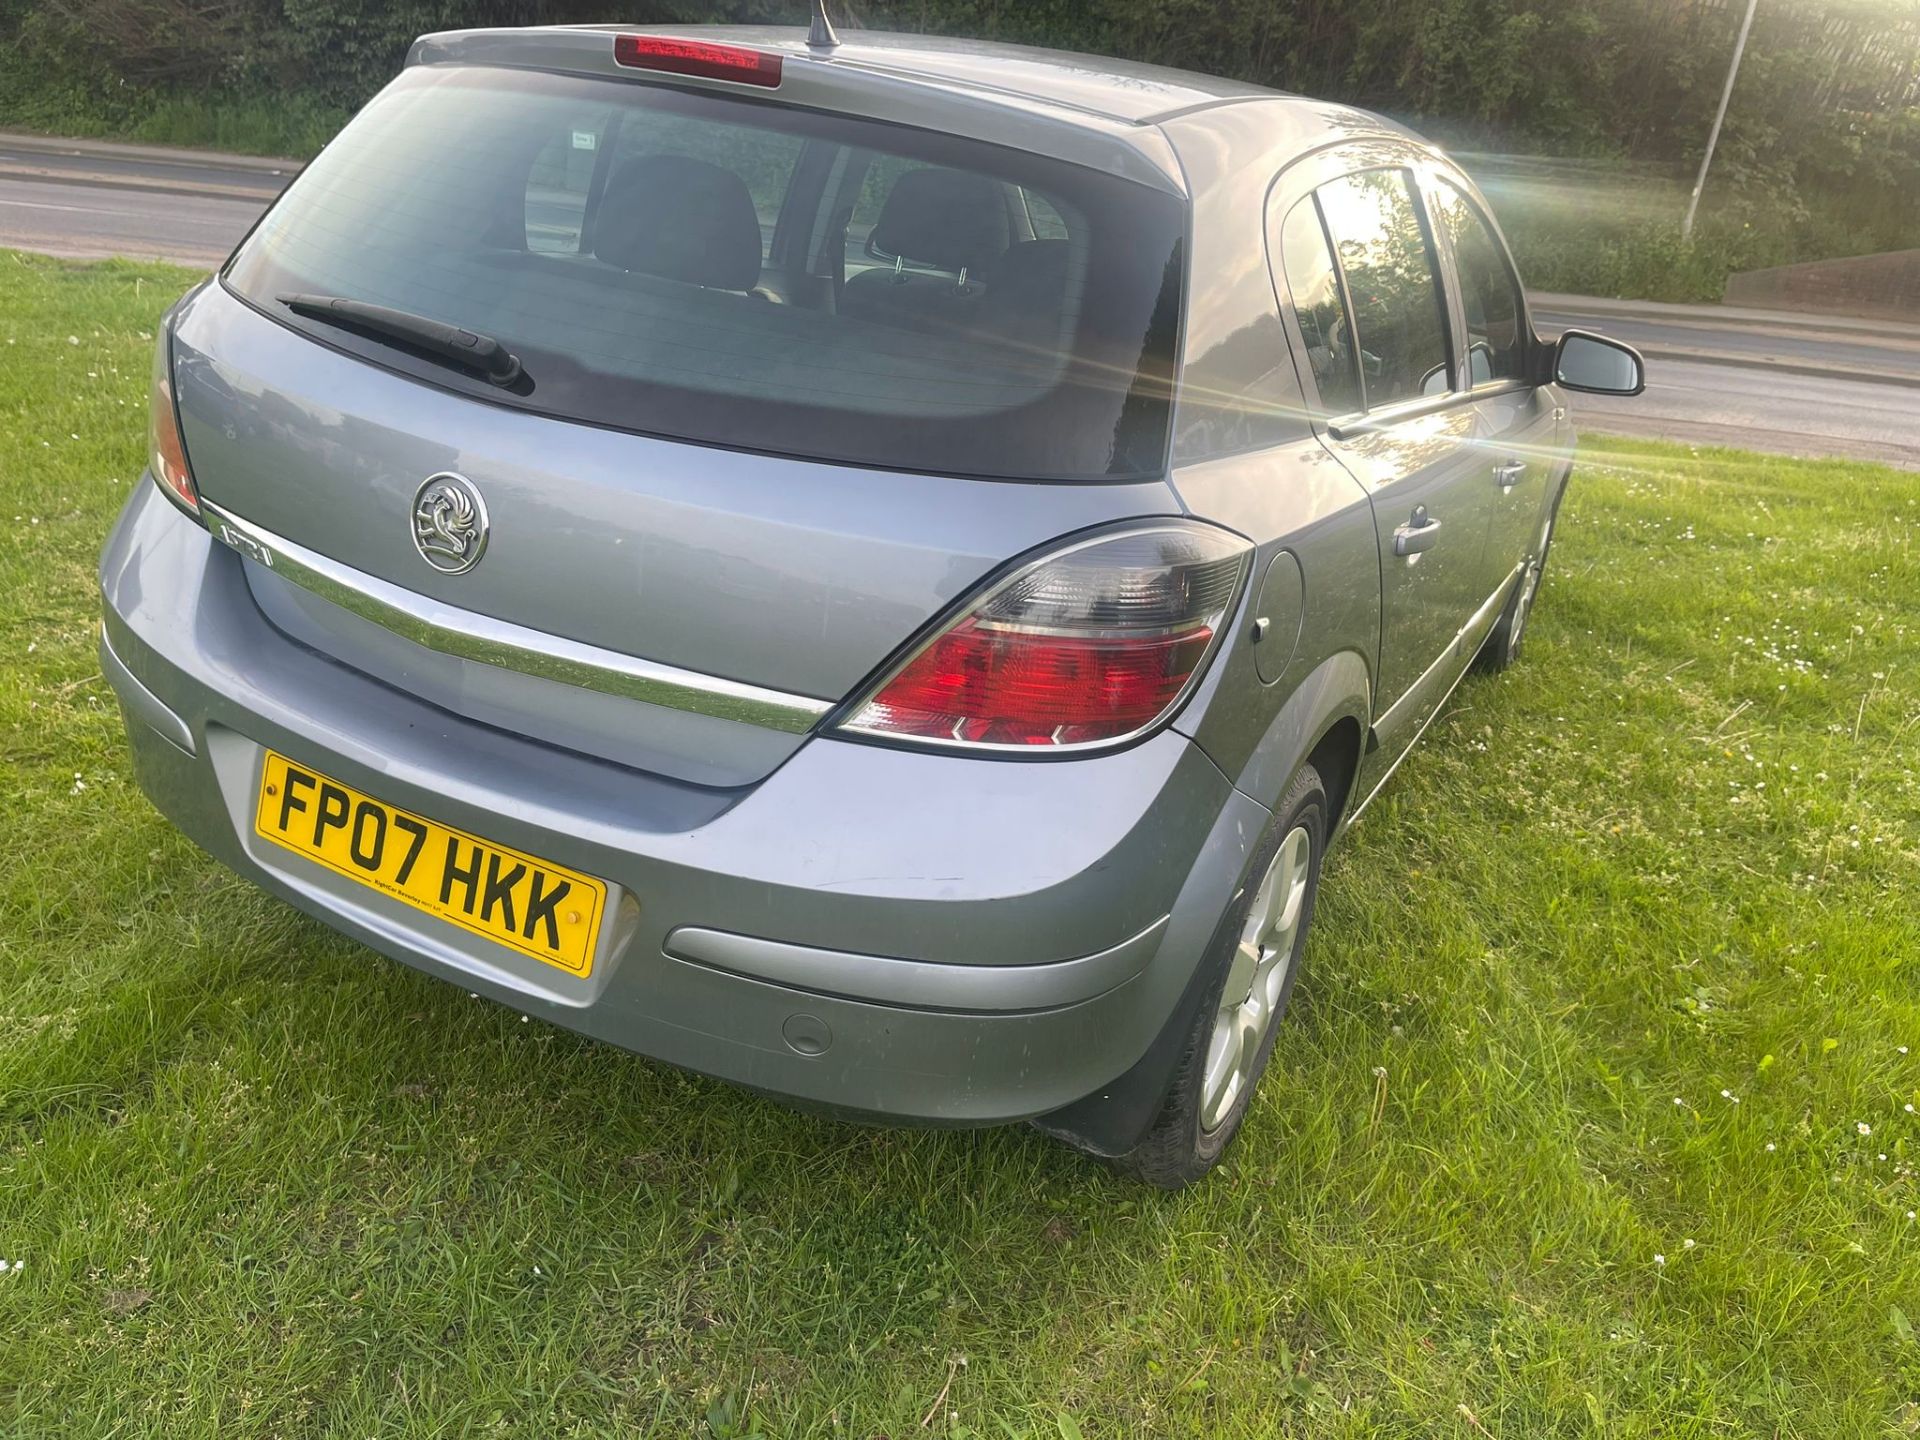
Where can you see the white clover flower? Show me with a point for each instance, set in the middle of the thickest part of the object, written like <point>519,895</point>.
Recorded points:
<point>1769,1147</point>
<point>1686,1244</point>
<point>1863,1127</point>
<point>1659,1259</point>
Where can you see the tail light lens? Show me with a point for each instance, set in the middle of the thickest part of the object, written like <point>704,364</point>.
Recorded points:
<point>1087,646</point>
<point>166,451</point>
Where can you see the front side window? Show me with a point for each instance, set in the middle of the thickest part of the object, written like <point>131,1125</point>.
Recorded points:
<point>1489,290</point>
<point>1399,317</point>
<point>733,272</point>
<point>1320,310</point>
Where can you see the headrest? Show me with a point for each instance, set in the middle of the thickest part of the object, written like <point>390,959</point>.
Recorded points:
<point>949,218</point>
<point>681,218</point>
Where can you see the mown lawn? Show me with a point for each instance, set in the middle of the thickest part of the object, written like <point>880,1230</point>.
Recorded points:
<point>1594,1115</point>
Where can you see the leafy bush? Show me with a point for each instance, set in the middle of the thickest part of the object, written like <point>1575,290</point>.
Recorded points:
<point>1647,259</point>
<point>1820,155</point>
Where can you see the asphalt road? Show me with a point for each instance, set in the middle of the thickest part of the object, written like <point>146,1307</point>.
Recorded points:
<point>90,222</point>
<point>89,200</point>
<point>1795,384</point>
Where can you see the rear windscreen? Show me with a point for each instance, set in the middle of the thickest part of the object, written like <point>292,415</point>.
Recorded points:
<point>741,273</point>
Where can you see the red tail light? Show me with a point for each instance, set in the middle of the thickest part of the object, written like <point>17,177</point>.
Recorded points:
<point>1088,646</point>
<point>166,451</point>
<point>697,57</point>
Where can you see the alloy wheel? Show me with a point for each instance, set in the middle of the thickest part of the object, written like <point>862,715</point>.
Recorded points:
<point>1250,1002</point>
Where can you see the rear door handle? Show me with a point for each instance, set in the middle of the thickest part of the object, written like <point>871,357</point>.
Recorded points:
<point>1508,472</point>
<point>1419,533</point>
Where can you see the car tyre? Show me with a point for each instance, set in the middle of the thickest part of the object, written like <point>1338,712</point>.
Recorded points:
<point>1502,647</point>
<point>1255,959</point>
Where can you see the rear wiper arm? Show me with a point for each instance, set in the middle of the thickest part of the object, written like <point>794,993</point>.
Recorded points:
<point>481,354</point>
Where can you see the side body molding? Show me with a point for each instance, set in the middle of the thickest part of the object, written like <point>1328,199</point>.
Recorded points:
<point>885,980</point>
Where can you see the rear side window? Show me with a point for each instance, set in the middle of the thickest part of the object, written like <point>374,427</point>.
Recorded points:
<point>1320,309</point>
<point>1046,222</point>
<point>557,188</point>
<point>1399,317</point>
<point>739,273</point>
<point>1489,290</point>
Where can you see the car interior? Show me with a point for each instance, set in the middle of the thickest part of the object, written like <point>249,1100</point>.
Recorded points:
<point>917,248</point>
<point>780,280</point>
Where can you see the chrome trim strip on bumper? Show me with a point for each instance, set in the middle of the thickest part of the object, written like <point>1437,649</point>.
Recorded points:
<point>921,984</point>
<point>487,641</point>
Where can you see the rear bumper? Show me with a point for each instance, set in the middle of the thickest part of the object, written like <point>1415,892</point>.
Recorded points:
<point>919,937</point>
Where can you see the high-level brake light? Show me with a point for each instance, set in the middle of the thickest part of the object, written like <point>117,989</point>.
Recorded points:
<point>698,57</point>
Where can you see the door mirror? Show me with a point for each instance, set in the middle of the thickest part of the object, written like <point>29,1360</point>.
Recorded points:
<point>1597,365</point>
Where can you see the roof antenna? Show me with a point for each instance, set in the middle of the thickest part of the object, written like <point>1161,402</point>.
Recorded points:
<point>820,34</point>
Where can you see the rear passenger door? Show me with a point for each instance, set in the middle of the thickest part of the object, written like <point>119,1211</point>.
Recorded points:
<point>1519,420</point>
<point>1373,326</point>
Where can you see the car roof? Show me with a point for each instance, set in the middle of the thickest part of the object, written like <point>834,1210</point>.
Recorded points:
<point>1042,79</point>
<point>1127,118</point>
<point>1116,89</point>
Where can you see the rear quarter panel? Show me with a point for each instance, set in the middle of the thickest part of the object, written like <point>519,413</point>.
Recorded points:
<point>1299,504</point>
<point>1247,457</point>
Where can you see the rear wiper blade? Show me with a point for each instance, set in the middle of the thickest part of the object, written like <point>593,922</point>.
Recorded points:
<point>481,354</point>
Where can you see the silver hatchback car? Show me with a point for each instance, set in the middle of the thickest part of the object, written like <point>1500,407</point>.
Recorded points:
<point>873,570</point>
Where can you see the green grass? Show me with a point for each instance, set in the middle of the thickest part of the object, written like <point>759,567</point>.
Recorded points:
<point>264,1182</point>
<point>1625,260</point>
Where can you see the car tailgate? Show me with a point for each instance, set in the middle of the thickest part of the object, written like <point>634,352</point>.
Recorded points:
<point>795,576</point>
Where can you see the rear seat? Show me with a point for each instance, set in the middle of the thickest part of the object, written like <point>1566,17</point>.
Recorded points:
<point>681,219</point>
<point>952,220</point>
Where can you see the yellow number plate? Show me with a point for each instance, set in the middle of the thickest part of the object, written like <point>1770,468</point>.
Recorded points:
<point>533,906</point>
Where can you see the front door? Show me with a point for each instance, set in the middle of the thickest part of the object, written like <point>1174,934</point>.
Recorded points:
<point>1519,464</point>
<point>1518,423</point>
